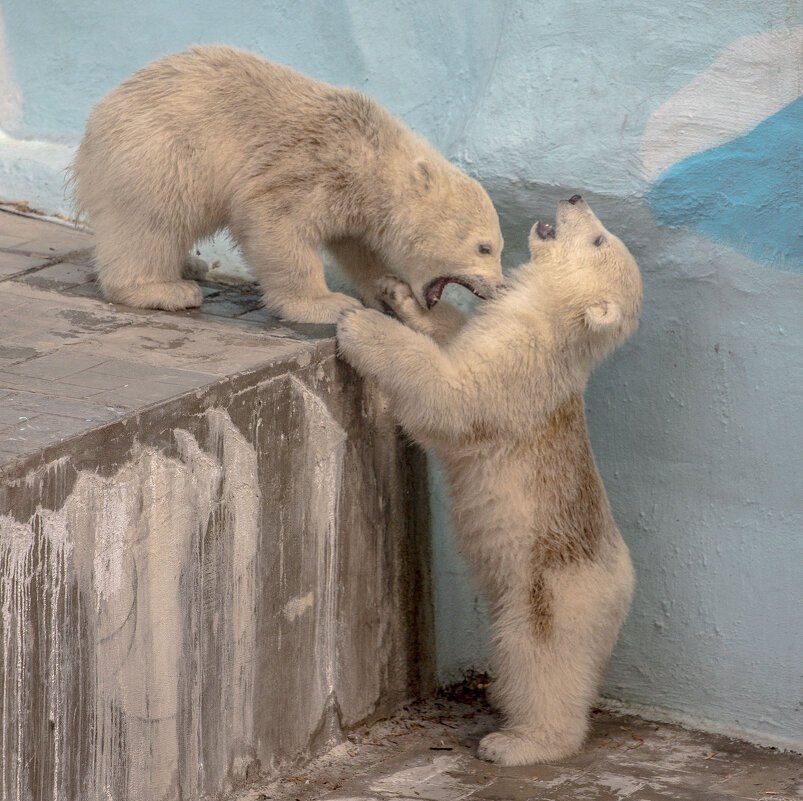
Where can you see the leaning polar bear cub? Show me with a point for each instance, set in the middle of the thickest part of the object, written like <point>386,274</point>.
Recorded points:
<point>500,399</point>
<point>215,137</point>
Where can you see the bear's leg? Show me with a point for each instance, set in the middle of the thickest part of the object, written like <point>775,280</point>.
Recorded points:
<point>363,265</point>
<point>552,640</point>
<point>432,388</point>
<point>138,267</point>
<point>441,323</point>
<point>291,273</point>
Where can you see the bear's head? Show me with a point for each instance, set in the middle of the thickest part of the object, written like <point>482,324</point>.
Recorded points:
<point>448,232</point>
<point>591,279</point>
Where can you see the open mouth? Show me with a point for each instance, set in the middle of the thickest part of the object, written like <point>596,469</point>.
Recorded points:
<point>544,231</point>
<point>435,289</point>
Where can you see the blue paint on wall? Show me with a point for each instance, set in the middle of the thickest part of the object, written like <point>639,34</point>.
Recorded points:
<point>744,193</point>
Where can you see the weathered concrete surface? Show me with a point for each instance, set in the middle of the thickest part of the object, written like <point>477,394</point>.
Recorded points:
<point>428,753</point>
<point>213,544</point>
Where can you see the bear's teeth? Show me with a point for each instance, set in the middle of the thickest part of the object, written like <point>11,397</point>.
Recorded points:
<point>435,289</point>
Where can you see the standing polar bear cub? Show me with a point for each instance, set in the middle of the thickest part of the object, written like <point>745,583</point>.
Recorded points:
<point>215,137</point>
<point>500,399</point>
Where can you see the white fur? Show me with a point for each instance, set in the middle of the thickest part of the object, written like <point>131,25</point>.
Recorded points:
<point>500,399</point>
<point>215,137</point>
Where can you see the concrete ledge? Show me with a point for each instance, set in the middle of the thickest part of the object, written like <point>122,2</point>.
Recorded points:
<point>213,544</point>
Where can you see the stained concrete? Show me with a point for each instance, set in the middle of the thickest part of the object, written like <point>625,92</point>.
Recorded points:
<point>213,543</point>
<point>428,753</point>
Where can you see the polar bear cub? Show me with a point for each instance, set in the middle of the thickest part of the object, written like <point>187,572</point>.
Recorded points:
<point>500,399</point>
<point>215,137</point>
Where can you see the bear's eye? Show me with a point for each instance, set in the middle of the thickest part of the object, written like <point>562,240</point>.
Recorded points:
<point>599,240</point>
<point>485,248</point>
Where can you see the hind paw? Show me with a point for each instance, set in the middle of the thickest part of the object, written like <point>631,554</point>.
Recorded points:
<point>518,746</point>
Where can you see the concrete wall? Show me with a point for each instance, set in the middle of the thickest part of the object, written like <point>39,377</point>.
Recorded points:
<point>218,586</point>
<point>680,122</point>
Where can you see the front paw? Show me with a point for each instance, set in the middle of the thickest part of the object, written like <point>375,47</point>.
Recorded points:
<point>359,325</point>
<point>359,331</point>
<point>393,291</point>
<point>517,746</point>
<point>320,309</point>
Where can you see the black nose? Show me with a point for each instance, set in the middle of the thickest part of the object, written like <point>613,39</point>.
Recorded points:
<point>574,199</point>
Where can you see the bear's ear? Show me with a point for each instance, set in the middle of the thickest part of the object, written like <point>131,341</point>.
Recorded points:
<point>604,315</point>
<point>423,175</point>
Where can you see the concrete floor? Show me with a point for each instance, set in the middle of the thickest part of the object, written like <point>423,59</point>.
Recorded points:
<point>428,753</point>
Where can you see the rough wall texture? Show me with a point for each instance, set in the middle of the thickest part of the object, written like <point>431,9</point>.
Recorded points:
<point>222,584</point>
<point>681,122</point>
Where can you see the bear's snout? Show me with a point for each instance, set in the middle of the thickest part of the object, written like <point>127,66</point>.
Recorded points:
<point>574,199</point>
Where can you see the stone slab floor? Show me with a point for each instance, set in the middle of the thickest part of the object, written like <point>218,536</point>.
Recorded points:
<point>70,363</point>
<point>428,753</point>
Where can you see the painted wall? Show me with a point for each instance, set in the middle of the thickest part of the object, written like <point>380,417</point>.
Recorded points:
<point>680,121</point>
